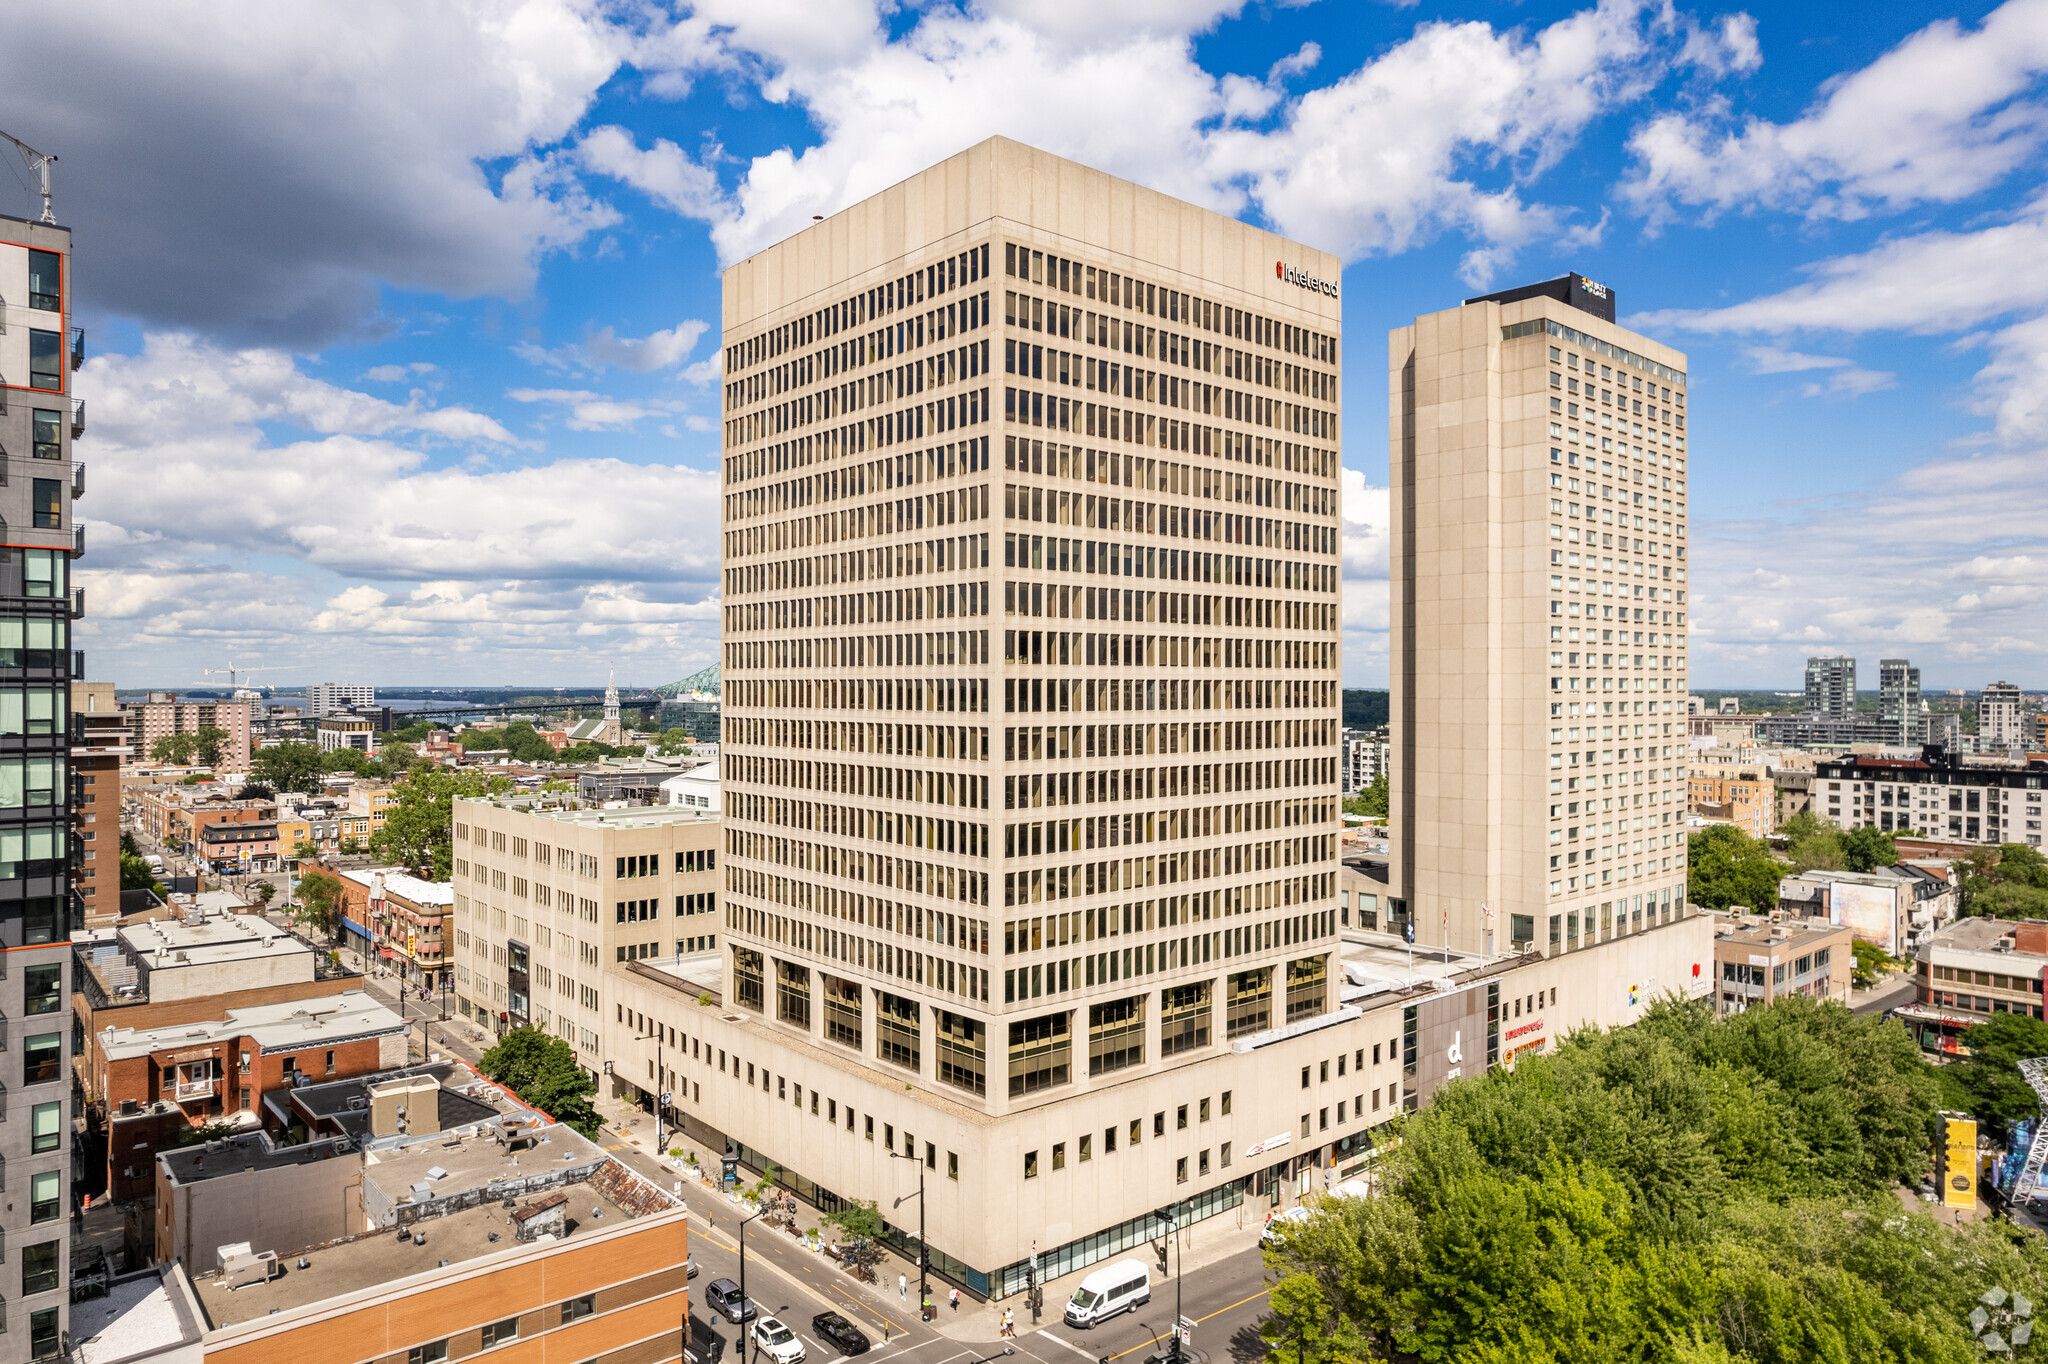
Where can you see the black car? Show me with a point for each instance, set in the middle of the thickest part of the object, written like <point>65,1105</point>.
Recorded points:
<point>724,1298</point>
<point>841,1334</point>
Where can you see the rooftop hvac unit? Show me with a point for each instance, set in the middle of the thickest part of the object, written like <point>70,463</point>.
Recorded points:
<point>238,1271</point>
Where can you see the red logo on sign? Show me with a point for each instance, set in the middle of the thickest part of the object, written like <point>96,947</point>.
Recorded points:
<point>1279,270</point>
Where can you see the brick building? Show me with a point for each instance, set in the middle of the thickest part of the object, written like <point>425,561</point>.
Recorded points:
<point>96,756</point>
<point>1972,969</point>
<point>507,1257</point>
<point>163,715</point>
<point>157,1080</point>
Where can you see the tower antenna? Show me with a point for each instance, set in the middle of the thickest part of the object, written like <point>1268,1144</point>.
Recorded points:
<point>39,164</point>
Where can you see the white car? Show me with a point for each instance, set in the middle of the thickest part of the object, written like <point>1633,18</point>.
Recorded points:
<point>1292,1217</point>
<point>778,1342</point>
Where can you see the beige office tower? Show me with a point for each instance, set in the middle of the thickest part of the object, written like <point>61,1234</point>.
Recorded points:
<point>1539,594</point>
<point>1030,631</point>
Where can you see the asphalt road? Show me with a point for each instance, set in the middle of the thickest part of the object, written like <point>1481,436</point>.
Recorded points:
<point>1899,990</point>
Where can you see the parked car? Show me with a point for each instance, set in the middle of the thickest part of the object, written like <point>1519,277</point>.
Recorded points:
<point>725,1299</point>
<point>778,1342</point>
<point>1292,1217</point>
<point>689,1267</point>
<point>841,1334</point>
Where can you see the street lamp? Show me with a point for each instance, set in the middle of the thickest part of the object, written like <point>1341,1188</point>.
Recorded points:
<point>745,1303</point>
<point>660,1094</point>
<point>1171,1216</point>
<point>923,1255</point>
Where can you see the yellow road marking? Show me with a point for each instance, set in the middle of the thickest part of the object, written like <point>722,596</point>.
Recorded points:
<point>1154,1342</point>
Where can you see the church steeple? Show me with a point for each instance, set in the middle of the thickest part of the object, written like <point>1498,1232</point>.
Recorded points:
<point>613,734</point>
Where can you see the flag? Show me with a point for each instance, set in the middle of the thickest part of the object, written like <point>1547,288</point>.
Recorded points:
<point>1486,910</point>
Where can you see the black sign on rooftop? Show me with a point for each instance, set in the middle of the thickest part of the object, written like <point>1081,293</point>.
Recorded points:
<point>1575,289</point>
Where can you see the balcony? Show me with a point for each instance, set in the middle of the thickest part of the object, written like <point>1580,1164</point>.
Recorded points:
<point>77,480</point>
<point>77,603</point>
<point>77,418</point>
<point>77,347</point>
<point>77,540</point>
<point>186,1091</point>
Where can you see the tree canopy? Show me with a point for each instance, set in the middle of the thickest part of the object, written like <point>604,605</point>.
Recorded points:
<point>1813,844</point>
<point>542,1070</point>
<point>1686,1190</point>
<point>1370,802</point>
<point>2006,882</point>
<point>203,746</point>
<point>1728,867</point>
<point>1987,1083</point>
<point>319,902</point>
<point>419,828</point>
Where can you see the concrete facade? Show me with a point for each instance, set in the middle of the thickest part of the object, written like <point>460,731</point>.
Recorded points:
<point>1538,644</point>
<point>1762,957</point>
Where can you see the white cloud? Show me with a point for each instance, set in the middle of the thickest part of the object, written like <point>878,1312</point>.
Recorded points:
<point>1944,115</point>
<point>185,471</point>
<point>1844,378</point>
<point>602,348</point>
<point>588,411</point>
<point>663,172</point>
<point>380,144</point>
<point>392,374</point>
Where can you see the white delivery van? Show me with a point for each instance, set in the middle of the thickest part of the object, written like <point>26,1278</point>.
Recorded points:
<point>1121,1287</point>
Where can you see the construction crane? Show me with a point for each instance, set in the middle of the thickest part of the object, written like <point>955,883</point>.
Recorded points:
<point>234,671</point>
<point>38,164</point>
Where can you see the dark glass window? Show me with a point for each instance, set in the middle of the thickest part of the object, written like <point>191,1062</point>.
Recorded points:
<point>39,1268</point>
<point>47,427</point>
<point>842,1011</point>
<point>46,281</point>
<point>41,1058</point>
<point>963,1052</point>
<point>498,1332</point>
<point>1184,1018</point>
<point>45,359</point>
<point>42,988</point>
<point>577,1308</point>
<point>1041,1053</point>
<point>746,978</point>
<point>47,504</point>
<point>44,1334</point>
<point>793,994</point>
<point>1116,1035</point>
<point>898,1030</point>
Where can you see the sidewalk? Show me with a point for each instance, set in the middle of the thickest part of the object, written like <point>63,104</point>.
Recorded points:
<point>975,1321</point>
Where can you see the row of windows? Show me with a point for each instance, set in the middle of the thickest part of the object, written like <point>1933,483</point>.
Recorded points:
<point>883,300</point>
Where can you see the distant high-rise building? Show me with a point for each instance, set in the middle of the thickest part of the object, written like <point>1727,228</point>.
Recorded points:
<point>1945,727</point>
<point>1539,668</point>
<point>1998,718</point>
<point>1898,683</point>
<point>332,698</point>
<point>1831,688</point>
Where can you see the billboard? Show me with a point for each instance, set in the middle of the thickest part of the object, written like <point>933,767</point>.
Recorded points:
<point>1956,1160</point>
<point>1869,912</point>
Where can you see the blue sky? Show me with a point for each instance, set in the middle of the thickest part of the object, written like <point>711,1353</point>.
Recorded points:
<point>404,317</point>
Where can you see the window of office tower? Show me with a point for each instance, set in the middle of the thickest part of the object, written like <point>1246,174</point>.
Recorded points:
<point>1307,987</point>
<point>1251,1001</point>
<point>1041,1053</point>
<point>842,1010</point>
<point>1116,1035</point>
<point>793,994</point>
<point>747,982</point>
<point>898,1030</point>
<point>1183,1018</point>
<point>963,1052</point>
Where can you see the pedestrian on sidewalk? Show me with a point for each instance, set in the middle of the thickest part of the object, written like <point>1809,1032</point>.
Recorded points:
<point>953,1299</point>
<point>903,1287</point>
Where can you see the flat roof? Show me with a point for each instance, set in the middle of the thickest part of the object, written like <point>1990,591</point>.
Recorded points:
<point>221,937</point>
<point>380,1257</point>
<point>636,817</point>
<point>323,1021</point>
<point>406,886</point>
<point>143,1314</point>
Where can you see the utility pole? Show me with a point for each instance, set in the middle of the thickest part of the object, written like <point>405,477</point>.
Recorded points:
<point>660,1093</point>
<point>1171,1216</point>
<point>745,1302</point>
<point>923,1256</point>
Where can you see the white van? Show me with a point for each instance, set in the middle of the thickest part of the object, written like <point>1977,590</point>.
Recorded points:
<point>1122,1287</point>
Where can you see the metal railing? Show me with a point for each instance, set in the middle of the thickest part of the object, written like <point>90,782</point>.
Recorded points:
<point>196,1089</point>
<point>77,418</point>
<point>77,347</point>
<point>77,480</point>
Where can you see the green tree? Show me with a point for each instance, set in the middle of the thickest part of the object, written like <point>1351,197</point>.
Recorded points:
<point>320,902</point>
<point>137,874</point>
<point>1989,1077</point>
<point>287,766</point>
<point>542,1070</point>
<point>2009,881</point>
<point>263,892</point>
<point>861,1227</point>
<point>1871,960</point>
<point>1370,802</point>
<point>1813,844</point>
<point>673,742</point>
<point>1867,848</point>
<point>1728,867</point>
<point>176,749</point>
<point>306,850</point>
<point>209,745</point>
<point>419,829</point>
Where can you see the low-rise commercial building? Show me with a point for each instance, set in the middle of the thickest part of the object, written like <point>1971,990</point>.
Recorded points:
<point>1759,958</point>
<point>547,895</point>
<point>407,916</point>
<point>158,1081</point>
<point>1894,908</point>
<point>520,1238</point>
<point>1971,970</point>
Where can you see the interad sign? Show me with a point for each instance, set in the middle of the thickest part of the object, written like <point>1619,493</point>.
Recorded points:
<point>1301,279</point>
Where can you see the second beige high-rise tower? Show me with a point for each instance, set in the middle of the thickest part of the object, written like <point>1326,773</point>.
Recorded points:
<point>1539,621</point>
